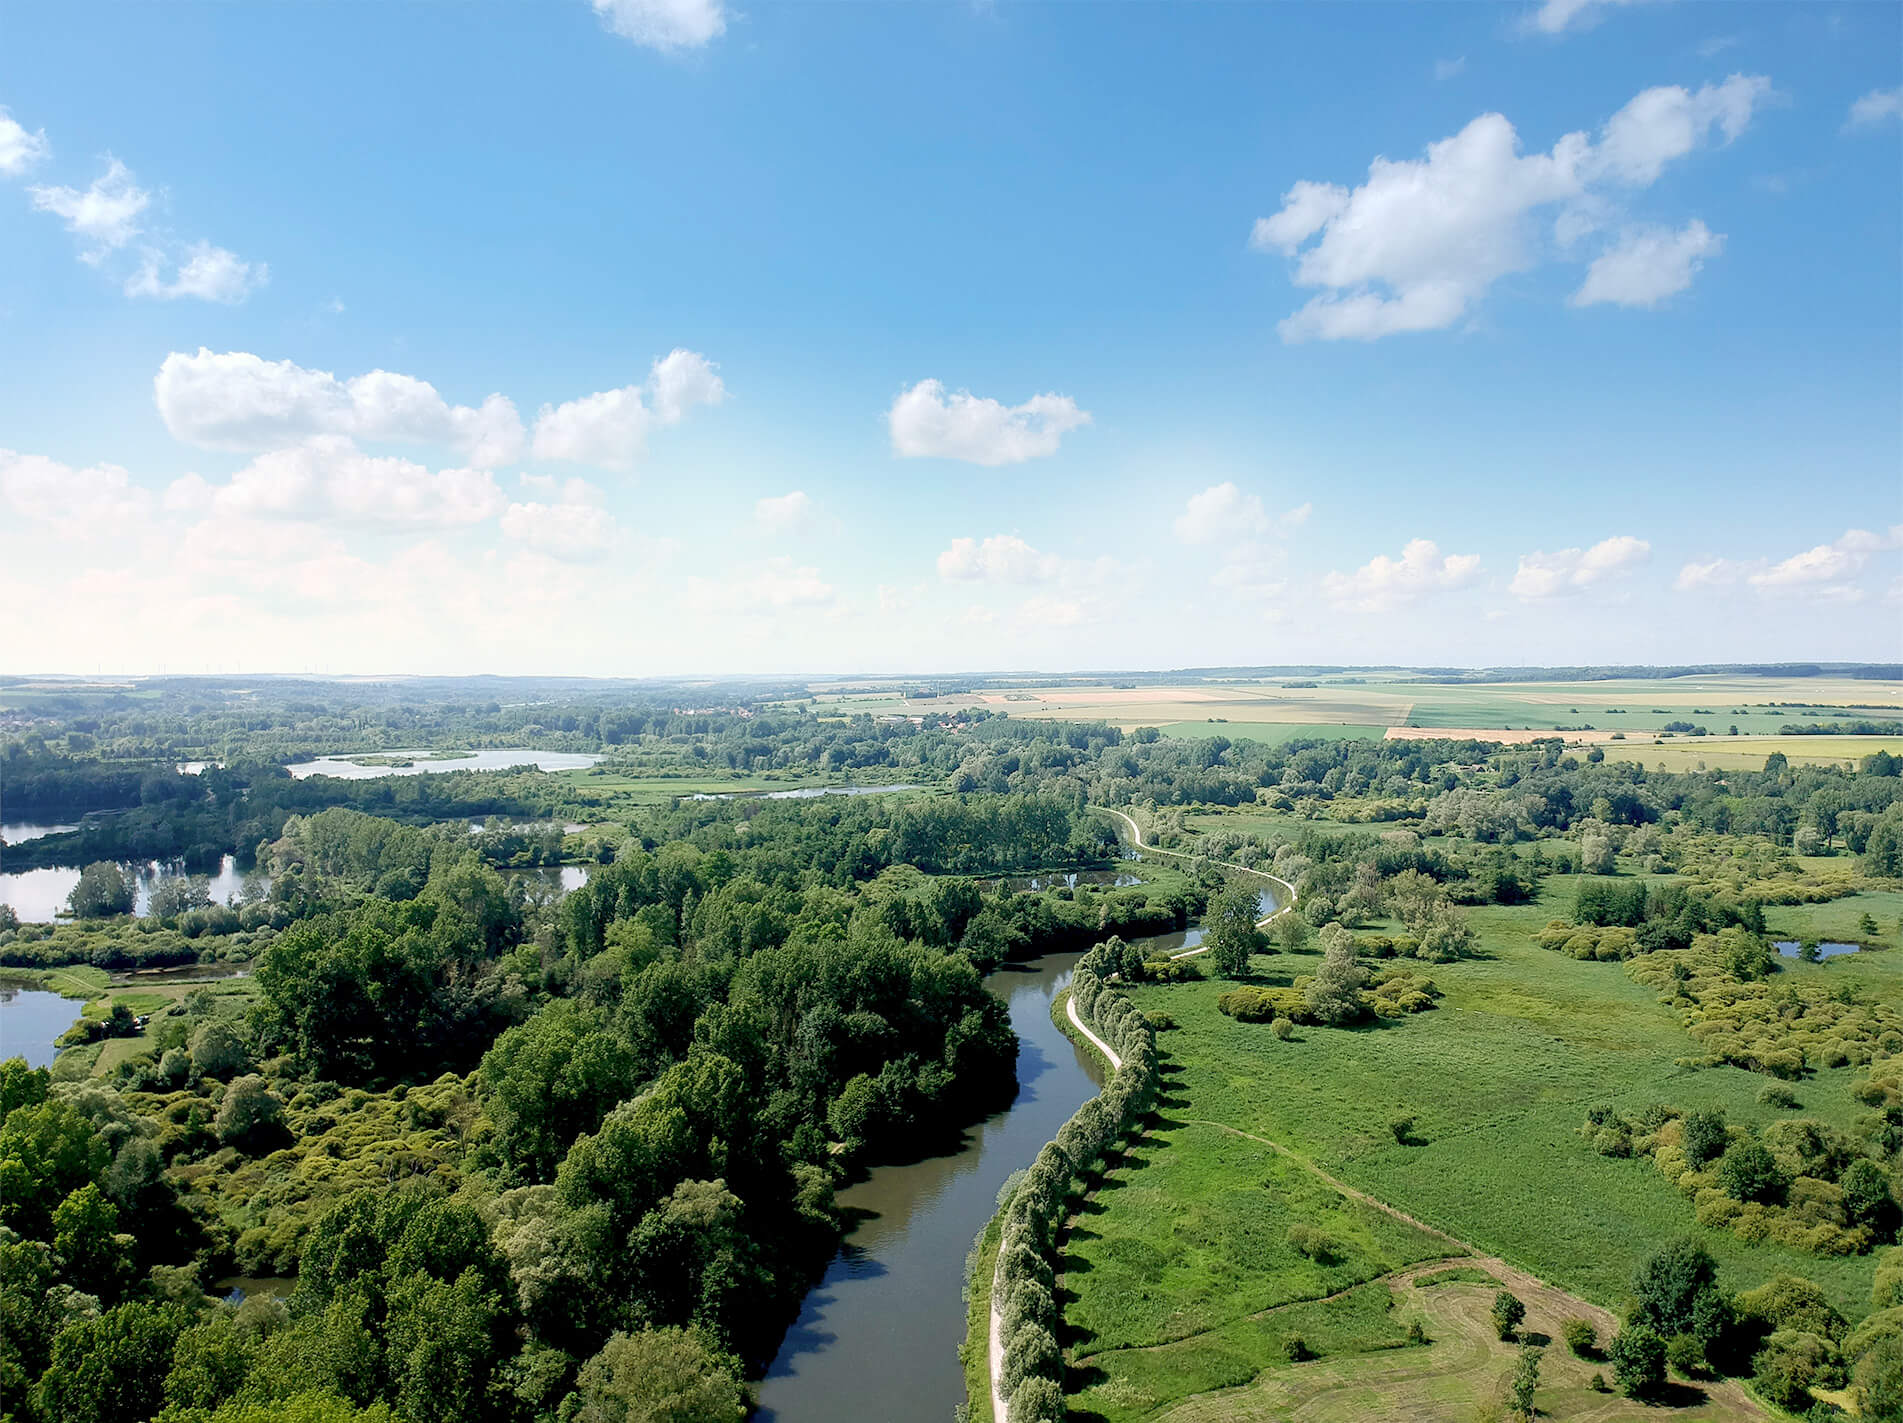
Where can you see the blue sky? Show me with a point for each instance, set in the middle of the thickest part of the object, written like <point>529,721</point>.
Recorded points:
<point>921,337</point>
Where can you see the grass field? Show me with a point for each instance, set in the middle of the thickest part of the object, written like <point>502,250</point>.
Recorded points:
<point>1183,1283</point>
<point>629,791</point>
<point>1274,733</point>
<point>1499,1078</point>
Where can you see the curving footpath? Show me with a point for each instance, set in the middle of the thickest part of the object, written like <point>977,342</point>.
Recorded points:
<point>1136,839</point>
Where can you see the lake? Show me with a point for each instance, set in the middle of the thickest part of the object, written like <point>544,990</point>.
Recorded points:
<point>39,896</point>
<point>18,832</point>
<point>487,760</point>
<point>1828,949</point>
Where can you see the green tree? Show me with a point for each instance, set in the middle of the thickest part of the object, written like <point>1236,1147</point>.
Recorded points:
<point>248,1112</point>
<point>550,1080</point>
<point>667,1375</point>
<point>1507,1312</point>
<point>103,890</point>
<point>1333,994</point>
<point>1526,1381</point>
<point>108,1369</point>
<point>1230,928</point>
<point>1668,1284</point>
<point>218,1050</point>
<point>1749,1172</point>
<point>1637,1355</point>
<point>91,1254</point>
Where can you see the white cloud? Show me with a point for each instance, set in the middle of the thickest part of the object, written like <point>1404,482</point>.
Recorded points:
<point>1417,244</point>
<point>1447,68</point>
<point>1872,109</point>
<point>1824,571</point>
<point>19,149</point>
<point>1002,558</point>
<point>609,429</point>
<point>1668,122</point>
<point>1557,16</point>
<point>105,216</point>
<point>203,271</point>
<point>783,513</point>
<point>926,423</point>
<point>234,400</point>
<point>664,24</point>
<point>1385,582</point>
<point>1222,513</point>
<point>77,503</point>
<point>1046,611</point>
<point>329,478</point>
<point>1549,575</point>
<point>1648,264</point>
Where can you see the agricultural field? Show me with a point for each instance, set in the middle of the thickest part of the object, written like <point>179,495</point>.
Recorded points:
<point>1748,753</point>
<point>1187,1280</point>
<point>1277,709</point>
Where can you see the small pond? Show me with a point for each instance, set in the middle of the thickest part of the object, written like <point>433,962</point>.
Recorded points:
<point>1827,949</point>
<point>31,1019</point>
<point>1065,879</point>
<point>344,769</point>
<point>39,896</point>
<point>803,793</point>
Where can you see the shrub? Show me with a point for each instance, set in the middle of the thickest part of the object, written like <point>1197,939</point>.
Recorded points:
<point>1886,1290</point>
<point>1416,1334</point>
<point>1580,1336</point>
<point>1776,1094</point>
<point>1317,1245</point>
<point>1791,1303</point>
<point>1597,1383</point>
<point>1283,1028</point>
<point>1705,1136</point>
<point>1037,1400</point>
<point>1403,1129</point>
<point>1686,1353</point>
<point>1637,1354</point>
<point>1508,1311</point>
<point>1749,1172</point>
<point>1295,1349</point>
<point>1791,1364</point>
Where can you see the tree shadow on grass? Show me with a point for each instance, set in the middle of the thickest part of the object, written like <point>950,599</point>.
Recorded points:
<point>1673,1394</point>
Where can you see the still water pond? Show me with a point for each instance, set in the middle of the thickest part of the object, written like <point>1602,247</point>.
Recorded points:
<point>344,769</point>
<point>1829,949</point>
<point>39,896</point>
<point>803,793</point>
<point>30,1019</point>
<point>18,832</point>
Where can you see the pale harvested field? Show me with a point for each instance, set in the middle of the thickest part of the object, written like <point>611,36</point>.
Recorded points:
<point>1747,753</point>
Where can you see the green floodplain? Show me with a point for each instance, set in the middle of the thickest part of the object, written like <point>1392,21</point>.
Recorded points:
<point>1551,1042</point>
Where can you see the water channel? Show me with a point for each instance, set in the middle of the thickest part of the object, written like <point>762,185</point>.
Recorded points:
<point>877,1340</point>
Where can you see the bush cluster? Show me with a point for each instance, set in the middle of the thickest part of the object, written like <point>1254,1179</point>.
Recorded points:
<point>1800,1183</point>
<point>1032,1378</point>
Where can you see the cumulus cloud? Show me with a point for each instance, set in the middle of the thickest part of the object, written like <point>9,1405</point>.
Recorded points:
<point>665,25</point>
<point>1571,570</point>
<point>1001,558</point>
<point>1872,109</point>
<point>925,422</point>
<point>76,503</point>
<point>203,271</point>
<point>1647,265</point>
<point>783,513</point>
<point>20,149</point>
<point>1824,571</point>
<point>234,400</point>
<point>1421,241</point>
<point>609,429</point>
<point>329,478</point>
<point>1220,513</point>
<point>105,216</point>
<point>1385,582</point>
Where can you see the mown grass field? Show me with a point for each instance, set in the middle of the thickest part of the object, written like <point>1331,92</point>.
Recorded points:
<point>1499,1078</point>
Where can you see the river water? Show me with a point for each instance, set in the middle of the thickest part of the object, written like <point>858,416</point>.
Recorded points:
<point>492,759</point>
<point>877,1340</point>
